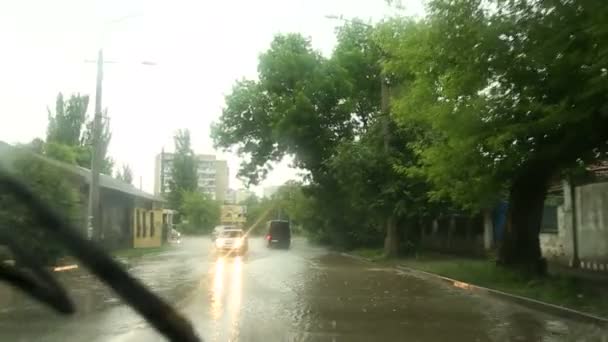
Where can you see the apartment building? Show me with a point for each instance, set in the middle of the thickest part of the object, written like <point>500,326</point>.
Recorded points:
<point>212,175</point>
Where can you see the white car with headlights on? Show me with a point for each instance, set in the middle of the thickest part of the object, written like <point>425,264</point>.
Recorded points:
<point>232,242</point>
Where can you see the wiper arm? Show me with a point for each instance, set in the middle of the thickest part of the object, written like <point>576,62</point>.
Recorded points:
<point>160,314</point>
<point>33,278</point>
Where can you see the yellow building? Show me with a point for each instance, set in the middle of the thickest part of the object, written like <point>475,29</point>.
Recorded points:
<point>233,214</point>
<point>147,227</point>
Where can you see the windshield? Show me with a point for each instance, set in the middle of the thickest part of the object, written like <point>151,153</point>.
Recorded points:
<point>231,234</point>
<point>321,170</point>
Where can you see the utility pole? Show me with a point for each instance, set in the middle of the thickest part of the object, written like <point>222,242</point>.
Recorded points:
<point>94,229</point>
<point>391,240</point>
<point>572,187</point>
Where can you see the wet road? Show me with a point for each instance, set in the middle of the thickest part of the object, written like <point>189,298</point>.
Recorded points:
<point>304,294</point>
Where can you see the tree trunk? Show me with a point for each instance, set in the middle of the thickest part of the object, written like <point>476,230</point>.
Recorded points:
<point>391,241</point>
<point>520,248</point>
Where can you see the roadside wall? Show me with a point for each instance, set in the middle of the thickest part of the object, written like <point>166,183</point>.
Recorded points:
<point>592,223</point>
<point>592,229</point>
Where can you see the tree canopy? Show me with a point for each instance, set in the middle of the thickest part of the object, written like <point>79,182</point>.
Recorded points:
<point>509,94</point>
<point>184,176</point>
<point>314,108</point>
<point>489,101</point>
<point>201,212</point>
<point>70,135</point>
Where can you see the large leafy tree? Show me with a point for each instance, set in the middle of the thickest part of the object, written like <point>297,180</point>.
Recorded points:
<point>316,109</point>
<point>510,93</point>
<point>70,136</point>
<point>298,107</point>
<point>184,177</point>
<point>202,212</point>
<point>107,163</point>
<point>301,106</point>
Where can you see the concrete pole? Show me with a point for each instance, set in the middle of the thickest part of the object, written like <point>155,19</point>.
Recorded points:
<point>575,260</point>
<point>488,230</point>
<point>385,97</point>
<point>451,229</point>
<point>94,229</point>
<point>435,228</point>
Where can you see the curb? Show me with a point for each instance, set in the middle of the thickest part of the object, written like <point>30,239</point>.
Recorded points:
<point>525,301</point>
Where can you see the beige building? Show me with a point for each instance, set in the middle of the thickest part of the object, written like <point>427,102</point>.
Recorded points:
<point>212,175</point>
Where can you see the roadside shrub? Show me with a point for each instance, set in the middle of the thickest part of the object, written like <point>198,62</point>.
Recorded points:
<point>18,222</point>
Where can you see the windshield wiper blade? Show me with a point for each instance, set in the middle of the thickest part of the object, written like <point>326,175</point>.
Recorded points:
<point>156,311</point>
<point>31,277</point>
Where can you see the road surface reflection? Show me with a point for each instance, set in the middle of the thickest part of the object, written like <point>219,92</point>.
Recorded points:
<point>226,295</point>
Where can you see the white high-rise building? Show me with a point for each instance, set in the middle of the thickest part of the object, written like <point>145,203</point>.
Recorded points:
<point>212,175</point>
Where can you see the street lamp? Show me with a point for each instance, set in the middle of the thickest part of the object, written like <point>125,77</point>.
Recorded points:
<point>94,221</point>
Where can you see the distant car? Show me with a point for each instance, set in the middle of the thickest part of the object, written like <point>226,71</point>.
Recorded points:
<point>175,236</point>
<point>232,242</point>
<point>219,229</point>
<point>279,234</point>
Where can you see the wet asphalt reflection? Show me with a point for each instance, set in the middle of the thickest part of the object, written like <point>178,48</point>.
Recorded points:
<point>303,294</point>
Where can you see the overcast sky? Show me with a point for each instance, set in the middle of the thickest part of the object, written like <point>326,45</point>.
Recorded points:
<point>200,48</point>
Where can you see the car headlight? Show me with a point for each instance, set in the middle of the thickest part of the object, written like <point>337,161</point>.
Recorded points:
<point>219,242</point>
<point>238,243</point>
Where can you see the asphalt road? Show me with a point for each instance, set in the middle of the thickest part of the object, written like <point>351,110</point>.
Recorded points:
<point>303,294</point>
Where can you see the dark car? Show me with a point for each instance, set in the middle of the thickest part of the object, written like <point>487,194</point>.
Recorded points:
<point>279,234</point>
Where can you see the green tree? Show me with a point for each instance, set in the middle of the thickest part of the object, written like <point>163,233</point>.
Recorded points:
<point>184,177</point>
<point>60,152</point>
<point>291,202</point>
<point>316,110</point>
<point>124,174</point>
<point>65,126</point>
<point>505,96</point>
<point>52,187</point>
<point>84,160</point>
<point>201,211</point>
<point>69,128</point>
<point>297,108</point>
<point>303,105</point>
<point>259,211</point>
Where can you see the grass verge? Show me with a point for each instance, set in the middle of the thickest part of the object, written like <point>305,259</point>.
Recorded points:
<point>373,254</point>
<point>568,291</point>
<point>129,253</point>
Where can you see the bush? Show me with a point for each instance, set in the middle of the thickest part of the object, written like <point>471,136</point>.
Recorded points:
<point>201,213</point>
<point>52,187</point>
